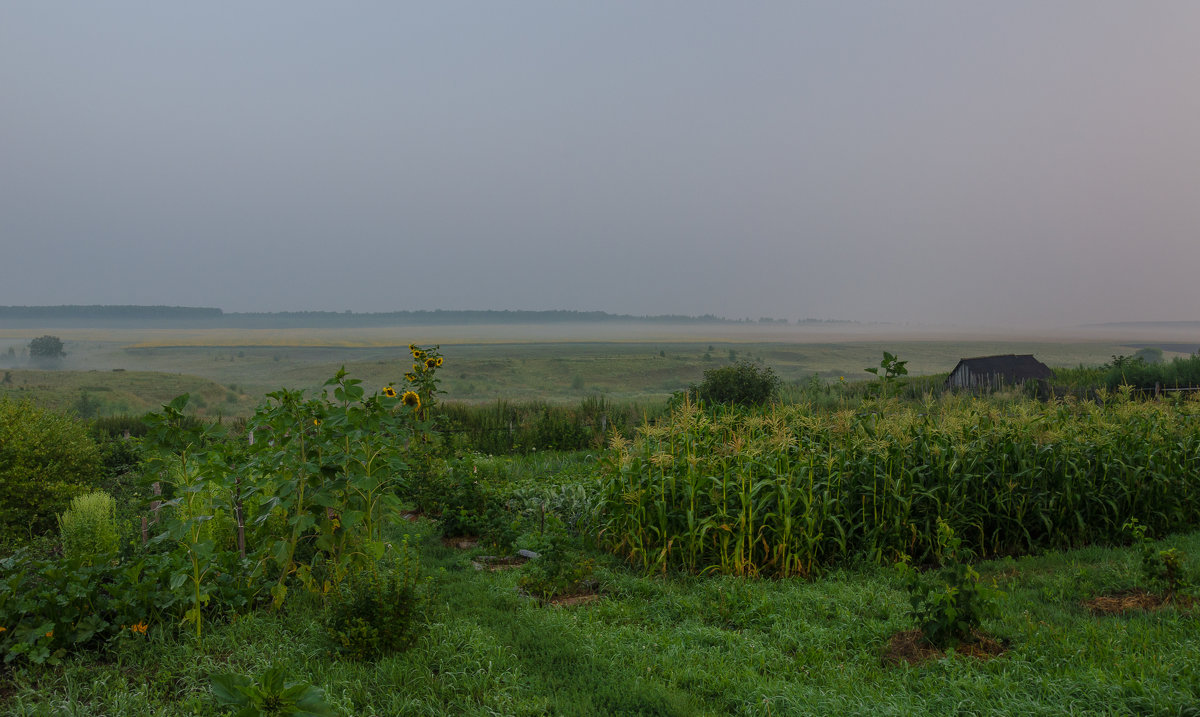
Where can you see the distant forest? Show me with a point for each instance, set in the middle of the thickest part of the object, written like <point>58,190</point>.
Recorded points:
<point>202,317</point>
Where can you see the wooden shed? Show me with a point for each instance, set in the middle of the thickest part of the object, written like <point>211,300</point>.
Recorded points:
<point>992,372</point>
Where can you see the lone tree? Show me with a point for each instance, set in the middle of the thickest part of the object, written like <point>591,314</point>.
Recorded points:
<point>742,384</point>
<point>46,349</point>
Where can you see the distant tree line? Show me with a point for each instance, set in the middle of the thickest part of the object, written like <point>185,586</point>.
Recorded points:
<point>202,317</point>
<point>97,311</point>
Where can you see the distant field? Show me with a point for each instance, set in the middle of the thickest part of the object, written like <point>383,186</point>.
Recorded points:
<point>104,393</point>
<point>230,370</point>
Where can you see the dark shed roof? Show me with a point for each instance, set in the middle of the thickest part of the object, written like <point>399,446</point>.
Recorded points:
<point>1010,368</point>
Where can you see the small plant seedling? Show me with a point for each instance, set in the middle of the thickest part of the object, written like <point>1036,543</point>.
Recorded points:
<point>269,695</point>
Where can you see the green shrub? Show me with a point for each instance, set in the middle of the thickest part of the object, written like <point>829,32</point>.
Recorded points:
<point>89,527</point>
<point>1162,570</point>
<point>560,569</point>
<point>120,460</point>
<point>54,607</point>
<point>742,384</point>
<point>949,604</point>
<point>467,496</point>
<point>45,460</point>
<point>378,612</point>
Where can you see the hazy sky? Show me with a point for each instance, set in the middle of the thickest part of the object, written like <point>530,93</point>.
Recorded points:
<point>1010,162</point>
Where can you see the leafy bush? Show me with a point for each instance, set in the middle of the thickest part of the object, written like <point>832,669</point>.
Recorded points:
<point>1163,570</point>
<point>467,496</point>
<point>560,569</point>
<point>574,505</point>
<point>743,384</point>
<point>378,612</point>
<point>1136,371</point>
<point>948,604</point>
<point>45,460</point>
<point>120,461</point>
<point>89,527</point>
<point>51,607</point>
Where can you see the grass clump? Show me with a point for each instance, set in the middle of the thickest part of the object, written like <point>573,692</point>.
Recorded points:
<point>949,605</point>
<point>89,527</point>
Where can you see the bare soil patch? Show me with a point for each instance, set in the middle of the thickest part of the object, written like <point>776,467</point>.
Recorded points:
<point>492,563</point>
<point>910,646</point>
<point>1134,600</point>
<point>461,542</point>
<point>576,599</point>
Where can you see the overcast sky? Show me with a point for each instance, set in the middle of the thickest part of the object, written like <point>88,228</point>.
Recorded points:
<point>1019,163</point>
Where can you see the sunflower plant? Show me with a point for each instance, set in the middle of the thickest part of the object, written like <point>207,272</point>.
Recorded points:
<point>312,488</point>
<point>423,380</point>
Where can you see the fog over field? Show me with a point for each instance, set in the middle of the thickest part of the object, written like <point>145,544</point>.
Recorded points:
<point>1019,165</point>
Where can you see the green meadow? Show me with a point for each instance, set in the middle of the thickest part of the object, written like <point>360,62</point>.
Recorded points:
<point>342,552</point>
<point>520,363</point>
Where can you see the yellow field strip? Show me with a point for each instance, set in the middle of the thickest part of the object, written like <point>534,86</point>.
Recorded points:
<point>392,336</point>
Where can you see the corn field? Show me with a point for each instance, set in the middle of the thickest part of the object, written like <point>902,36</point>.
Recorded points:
<point>785,491</point>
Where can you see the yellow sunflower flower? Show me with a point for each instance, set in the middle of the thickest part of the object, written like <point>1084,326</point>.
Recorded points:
<point>389,392</point>
<point>439,360</point>
<point>411,398</point>
<point>430,363</point>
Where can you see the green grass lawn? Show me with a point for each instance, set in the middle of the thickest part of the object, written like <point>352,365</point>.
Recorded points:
<point>674,645</point>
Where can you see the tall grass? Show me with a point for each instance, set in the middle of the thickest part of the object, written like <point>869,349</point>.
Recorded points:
<point>832,395</point>
<point>508,428</point>
<point>786,491</point>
